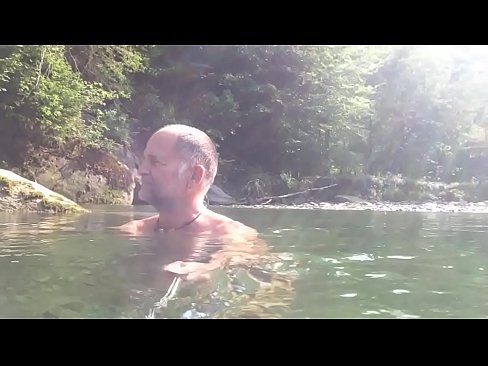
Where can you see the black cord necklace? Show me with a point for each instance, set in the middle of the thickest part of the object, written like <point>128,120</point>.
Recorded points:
<point>159,228</point>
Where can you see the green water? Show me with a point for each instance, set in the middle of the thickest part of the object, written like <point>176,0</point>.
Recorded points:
<point>338,264</point>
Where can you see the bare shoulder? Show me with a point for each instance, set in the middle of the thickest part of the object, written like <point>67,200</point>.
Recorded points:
<point>137,227</point>
<point>225,225</point>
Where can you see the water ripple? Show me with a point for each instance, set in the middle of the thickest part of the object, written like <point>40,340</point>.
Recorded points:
<point>400,291</point>
<point>361,257</point>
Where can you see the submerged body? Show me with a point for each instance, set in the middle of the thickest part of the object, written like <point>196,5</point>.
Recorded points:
<point>181,265</point>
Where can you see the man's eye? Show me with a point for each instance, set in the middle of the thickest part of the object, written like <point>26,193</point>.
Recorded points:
<point>156,162</point>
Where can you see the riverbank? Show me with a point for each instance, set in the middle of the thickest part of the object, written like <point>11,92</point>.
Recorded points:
<point>90,176</point>
<point>358,189</point>
<point>461,207</point>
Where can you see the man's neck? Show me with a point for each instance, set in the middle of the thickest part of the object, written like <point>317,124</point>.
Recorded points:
<point>178,217</point>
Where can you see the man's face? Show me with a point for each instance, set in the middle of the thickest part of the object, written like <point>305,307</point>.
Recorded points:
<point>162,176</point>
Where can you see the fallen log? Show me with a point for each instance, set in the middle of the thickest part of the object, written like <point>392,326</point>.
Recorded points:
<point>269,199</point>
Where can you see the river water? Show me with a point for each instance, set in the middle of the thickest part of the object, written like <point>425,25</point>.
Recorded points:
<point>326,264</point>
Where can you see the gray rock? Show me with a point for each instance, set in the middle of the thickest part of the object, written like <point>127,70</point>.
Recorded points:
<point>217,196</point>
<point>341,198</point>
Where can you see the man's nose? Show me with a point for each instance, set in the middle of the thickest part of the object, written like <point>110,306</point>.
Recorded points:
<point>143,168</point>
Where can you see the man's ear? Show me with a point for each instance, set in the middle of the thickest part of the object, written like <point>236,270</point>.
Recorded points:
<point>198,173</point>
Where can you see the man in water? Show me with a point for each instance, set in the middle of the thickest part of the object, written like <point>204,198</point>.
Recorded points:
<point>178,168</point>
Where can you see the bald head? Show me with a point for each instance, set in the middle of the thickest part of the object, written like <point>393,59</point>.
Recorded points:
<point>196,147</point>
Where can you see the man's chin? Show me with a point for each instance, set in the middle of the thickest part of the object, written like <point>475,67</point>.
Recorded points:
<point>143,196</point>
<point>166,204</point>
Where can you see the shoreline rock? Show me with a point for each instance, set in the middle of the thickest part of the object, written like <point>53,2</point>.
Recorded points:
<point>90,176</point>
<point>20,194</point>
